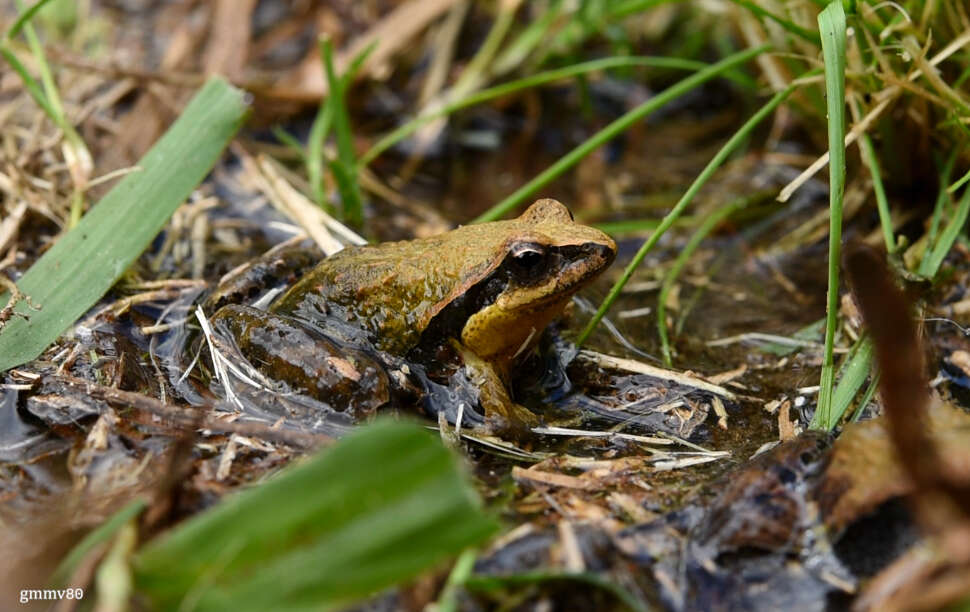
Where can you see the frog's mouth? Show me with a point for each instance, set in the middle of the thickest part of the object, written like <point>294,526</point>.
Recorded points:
<point>586,262</point>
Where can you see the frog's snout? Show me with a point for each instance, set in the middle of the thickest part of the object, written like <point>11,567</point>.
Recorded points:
<point>586,262</point>
<point>601,254</point>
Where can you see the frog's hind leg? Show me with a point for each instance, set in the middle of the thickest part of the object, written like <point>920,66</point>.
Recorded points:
<point>268,274</point>
<point>304,360</point>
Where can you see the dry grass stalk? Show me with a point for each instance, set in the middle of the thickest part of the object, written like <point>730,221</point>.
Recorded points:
<point>679,378</point>
<point>391,34</point>
<point>885,98</point>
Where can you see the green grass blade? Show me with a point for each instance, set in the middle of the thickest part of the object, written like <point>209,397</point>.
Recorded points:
<point>462,570</point>
<point>341,118</point>
<point>24,18</point>
<point>866,398</point>
<point>347,186</point>
<point>808,334</point>
<point>290,141</point>
<point>30,83</point>
<point>314,151</point>
<point>634,226</point>
<point>46,75</point>
<point>729,147</point>
<point>53,97</point>
<point>483,582</point>
<point>45,92</point>
<point>615,128</point>
<point>960,182</point>
<point>375,509</point>
<point>511,87</point>
<point>522,47</point>
<point>787,24</point>
<point>100,535</point>
<point>882,203</point>
<point>351,200</point>
<point>852,375</point>
<point>480,65</point>
<point>321,129</point>
<point>931,262</point>
<point>831,24</point>
<point>942,199</point>
<point>709,224</point>
<point>84,263</point>
<point>619,10</point>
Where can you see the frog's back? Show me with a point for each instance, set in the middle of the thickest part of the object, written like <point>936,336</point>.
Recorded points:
<point>393,290</point>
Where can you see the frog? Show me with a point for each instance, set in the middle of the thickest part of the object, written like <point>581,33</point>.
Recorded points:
<point>479,295</point>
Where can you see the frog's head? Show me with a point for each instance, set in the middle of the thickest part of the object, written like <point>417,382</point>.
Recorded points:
<point>545,258</point>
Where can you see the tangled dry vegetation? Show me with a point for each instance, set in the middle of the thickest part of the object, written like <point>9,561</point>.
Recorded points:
<point>398,119</point>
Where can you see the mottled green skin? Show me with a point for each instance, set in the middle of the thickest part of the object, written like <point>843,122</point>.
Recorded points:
<point>392,290</point>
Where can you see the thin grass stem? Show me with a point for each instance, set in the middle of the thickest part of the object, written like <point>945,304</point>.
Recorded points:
<point>344,168</point>
<point>480,64</point>
<point>30,83</point>
<point>960,182</point>
<point>882,203</point>
<point>314,152</point>
<point>709,224</point>
<point>24,18</point>
<point>46,75</point>
<point>932,261</point>
<point>76,152</point>
<point>852,375</point>
<point>729,147</point>
<point>942,197</point>
<point>788,25</point>
<point>322,123</point>
<point>290,141</point>
<point>613,129</point>
<point>632,226</point>
<point>511,87</point>
<point>632,7</point>
<point>866,398</point>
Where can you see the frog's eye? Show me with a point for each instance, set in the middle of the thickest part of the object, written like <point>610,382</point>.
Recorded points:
<point>528,260</point>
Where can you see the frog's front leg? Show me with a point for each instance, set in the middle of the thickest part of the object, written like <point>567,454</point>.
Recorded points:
<point>301,358</point>
<point>502,414</point>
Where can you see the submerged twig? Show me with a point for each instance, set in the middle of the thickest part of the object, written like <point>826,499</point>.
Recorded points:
<point>763,337</point>
<point>188,417</point>
<point>669,375</point>
<point>565,431</point>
